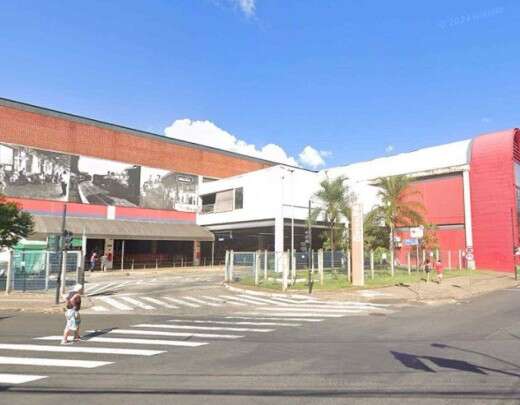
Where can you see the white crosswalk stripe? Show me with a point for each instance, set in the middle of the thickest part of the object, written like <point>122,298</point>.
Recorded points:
<point>182,302</point>
<point>116,304</point>
<point>274,318</point>
<point>147,325</point>
<point>37,361</point>
<point>135,341</point>
<point>19,378</point>
<point>245,300</point>
<point>177,334</point>
<point>76,349</point>
<point>159,302</point>
<point>236,323</point>
<point>289,314</point>
<point>315,310</point>
<point>199,301</point>
<point>136,302</point>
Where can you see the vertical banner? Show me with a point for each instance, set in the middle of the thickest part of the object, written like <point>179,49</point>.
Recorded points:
<point>358,272</point>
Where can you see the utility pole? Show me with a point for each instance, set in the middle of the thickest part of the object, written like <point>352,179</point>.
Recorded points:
<point>60,257</point>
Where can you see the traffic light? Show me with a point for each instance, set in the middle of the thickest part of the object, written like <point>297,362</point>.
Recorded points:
<point>67,239</point>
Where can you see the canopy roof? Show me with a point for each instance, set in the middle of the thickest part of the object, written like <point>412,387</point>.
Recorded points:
<point>117,229</point>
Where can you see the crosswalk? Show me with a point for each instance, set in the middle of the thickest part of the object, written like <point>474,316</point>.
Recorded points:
<point>110,287</point>
<point>246,304</point>
<point>159,338</point>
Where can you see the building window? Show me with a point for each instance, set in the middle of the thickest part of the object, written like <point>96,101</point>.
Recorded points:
<point>239,198</point>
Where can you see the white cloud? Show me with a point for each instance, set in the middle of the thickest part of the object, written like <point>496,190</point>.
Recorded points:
<point>389,149</point>
<point>312,158</point>
<point>207,133</point>
<point>246,6</point>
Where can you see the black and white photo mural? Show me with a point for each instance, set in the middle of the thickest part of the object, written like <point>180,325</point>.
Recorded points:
<point>161,189</point>
<point>104,182</point>
<point>33,173</point>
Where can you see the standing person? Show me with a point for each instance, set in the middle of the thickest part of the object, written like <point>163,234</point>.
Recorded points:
<point>72,316</point>
<point>427,269</point>
<point>93,261</point>
<point>103,262</point>
<point>439,269</point>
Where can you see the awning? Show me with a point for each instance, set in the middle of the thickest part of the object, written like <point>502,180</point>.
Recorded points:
<point>117,229</point>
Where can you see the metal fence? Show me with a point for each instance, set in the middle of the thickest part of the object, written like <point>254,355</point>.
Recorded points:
<point>262,268</point>
<point>39,270</point>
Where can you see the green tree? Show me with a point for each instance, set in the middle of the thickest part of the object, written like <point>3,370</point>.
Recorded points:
<point>375,231</point>
<point>15,224</point>
<point>334,207</point>
<point>399,206</point>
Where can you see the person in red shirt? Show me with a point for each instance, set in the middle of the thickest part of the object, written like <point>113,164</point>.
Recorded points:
<point>439,269</point>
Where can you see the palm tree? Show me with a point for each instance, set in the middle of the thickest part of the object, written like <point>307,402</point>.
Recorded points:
<point>335,200</point>
<point>399,206</point>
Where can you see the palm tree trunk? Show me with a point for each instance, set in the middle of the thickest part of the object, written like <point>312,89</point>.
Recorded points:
<point>392,269</point>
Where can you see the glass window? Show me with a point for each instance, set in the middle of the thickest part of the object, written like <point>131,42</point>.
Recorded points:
<point>239,198</point>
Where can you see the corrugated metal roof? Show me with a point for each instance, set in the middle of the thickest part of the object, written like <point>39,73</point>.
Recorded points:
<point>116,229</point>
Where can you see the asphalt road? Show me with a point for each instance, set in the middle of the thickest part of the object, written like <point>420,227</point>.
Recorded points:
<point>461,353</point>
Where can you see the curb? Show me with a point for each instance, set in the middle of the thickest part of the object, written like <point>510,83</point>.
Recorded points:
<point>264,294</point>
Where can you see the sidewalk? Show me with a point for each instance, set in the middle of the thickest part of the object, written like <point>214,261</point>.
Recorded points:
<point>29,302</point>
<point>450,290</point>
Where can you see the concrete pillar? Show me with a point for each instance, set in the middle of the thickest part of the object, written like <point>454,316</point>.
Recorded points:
<point>257,266</point>
<point>320,265</point>
<point>196,253</point>
<point>468,225</point>
<point>278,244</point>
<point>409,260</point>
<point>265,265</point>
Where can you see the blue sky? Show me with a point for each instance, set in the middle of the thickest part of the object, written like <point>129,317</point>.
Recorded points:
<point>355,80</point>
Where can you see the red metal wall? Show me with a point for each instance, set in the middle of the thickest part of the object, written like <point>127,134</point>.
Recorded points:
<point>493,200</point>
<point>443,200</point>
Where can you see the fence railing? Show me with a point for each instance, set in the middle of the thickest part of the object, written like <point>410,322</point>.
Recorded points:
<point>39,270</point>
<point>279,268</point>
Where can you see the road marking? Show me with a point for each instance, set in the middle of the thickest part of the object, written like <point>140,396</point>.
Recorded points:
<point>19,378</point>
<point>148,325</point>
<point>33,361</point>
<point>134,341</point>
<point>76,349</point>
<point>102,288</point>
<point>159,302</point>
<point>211,304</point>
<point>325,308</point>
<point>230,297</point>
<point>287,301</point>
<point>237,323</point>
<point>219,301</point>
<point>182,302</point>
<point>99,308</point>
<point>289,314</point>
<point>116,304</point>
<point>315,310</point>
<point>348,303</point>
<point>178,334</point>
<point>136,302</point>
<point>259,300</point>
<point>269,318</point>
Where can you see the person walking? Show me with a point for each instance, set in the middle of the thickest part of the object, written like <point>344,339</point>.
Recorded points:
<point>439,269</point>
<point>93,261</point>
<point>72,316</point>
<point>427,269</point>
